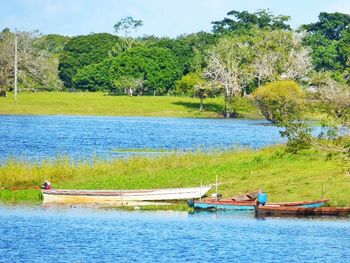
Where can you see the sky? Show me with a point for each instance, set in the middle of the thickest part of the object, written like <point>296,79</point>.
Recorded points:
<point>160,17</point>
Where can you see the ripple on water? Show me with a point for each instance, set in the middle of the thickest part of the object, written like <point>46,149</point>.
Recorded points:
<point>41,137</point>
<point>34,234</point>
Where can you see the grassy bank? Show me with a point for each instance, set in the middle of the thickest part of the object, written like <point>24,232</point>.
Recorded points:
<point>84,103</point>
<point>285,177</point>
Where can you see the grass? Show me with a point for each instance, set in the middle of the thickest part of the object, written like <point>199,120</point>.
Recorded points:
<point>85,103</point>
<point>285,177</point>
<point>142,150</point>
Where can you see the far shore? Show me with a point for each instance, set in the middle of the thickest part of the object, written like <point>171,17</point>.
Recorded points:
<point>101,104</point>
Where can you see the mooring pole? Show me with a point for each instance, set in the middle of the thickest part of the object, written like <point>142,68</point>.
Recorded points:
<point>216,188</point>
<point>15,89</point>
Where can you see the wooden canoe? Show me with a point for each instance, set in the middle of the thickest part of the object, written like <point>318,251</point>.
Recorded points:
<point>250,196</point>
<point>262,211</point>
<point>227,204</point>
<point>120,196</point>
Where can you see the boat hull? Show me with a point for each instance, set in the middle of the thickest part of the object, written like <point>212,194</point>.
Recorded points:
<point>250,205</point>
<point>262,211</point>
<point>122,196</point>
<point>224,206</point>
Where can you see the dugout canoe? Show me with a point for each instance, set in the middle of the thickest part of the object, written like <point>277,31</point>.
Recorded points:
<point>121,196</point>
<point>262,211</point>
<point>213,204</point>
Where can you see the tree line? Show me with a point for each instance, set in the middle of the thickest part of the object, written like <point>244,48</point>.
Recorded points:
<point>249,48</point>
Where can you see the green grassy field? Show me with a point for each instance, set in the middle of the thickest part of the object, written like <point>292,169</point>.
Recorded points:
<point>285,177</point>
<point>84,103</point>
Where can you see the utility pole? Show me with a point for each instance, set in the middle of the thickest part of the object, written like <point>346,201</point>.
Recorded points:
<point>15,67</point>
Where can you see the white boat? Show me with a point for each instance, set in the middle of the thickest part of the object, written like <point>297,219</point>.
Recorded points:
<point>122,196</point>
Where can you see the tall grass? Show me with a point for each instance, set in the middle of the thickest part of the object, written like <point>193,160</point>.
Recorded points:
<point>85,103</point>
<point>285,177</point>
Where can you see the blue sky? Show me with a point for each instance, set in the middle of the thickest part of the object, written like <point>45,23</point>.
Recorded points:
<point>160,17</point>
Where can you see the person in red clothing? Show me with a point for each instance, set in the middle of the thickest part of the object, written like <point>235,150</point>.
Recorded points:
<point>47,185</point>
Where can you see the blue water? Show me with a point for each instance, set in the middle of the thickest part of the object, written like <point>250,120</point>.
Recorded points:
<point>38,234</point>
<point>83,138</point>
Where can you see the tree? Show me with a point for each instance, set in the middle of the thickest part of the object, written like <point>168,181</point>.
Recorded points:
<point>156,66</point>
<point>282,102</point>
<point>245,21</point>
<point>229,66</point>
<point>81,51</point>
<point>279,99</point>
<point>298,61</point>
<point>186,84</point>
<point>52,43</point>
<point>329,38</point>
<point>194,85</point>
<point>190,50</point>
<point>333,100</point>
<point>203,91</point>
<point>240,63</point>
<point>331,25</point>
<point>127,25</point>
<point>129,84</point>
<point>6,60</point>
<point>36,68</point>
<point>94,77</point>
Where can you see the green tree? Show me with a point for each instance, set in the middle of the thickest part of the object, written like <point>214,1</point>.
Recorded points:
<point>283,103</point>
<point>52,43</point>
<point>243,21</point>
<point>329,39</point>
<point>194,85</point>
<point>330,25</point>
<point>158,68</point>
<point>279,100</point>
<point>190,50</point>
<point>186,84</point>
<point>81,51</point>
<point>94,77</point>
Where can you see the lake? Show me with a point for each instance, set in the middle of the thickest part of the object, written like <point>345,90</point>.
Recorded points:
<point>54,234</point>
<point>83,137</point>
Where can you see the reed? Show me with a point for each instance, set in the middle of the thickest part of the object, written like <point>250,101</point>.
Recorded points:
<point>285,177</point>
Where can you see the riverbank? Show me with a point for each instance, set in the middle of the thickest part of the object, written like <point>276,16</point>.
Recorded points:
<point>99,104</point>
<point>306,176</point>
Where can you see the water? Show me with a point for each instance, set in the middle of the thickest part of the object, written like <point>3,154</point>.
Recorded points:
<point>38,137</point>
<point>39,234</point>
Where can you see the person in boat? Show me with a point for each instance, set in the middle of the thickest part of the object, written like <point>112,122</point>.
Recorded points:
<point>46,185</point>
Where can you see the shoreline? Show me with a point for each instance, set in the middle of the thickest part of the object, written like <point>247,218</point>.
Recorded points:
<point>98,104</point>
<point>286,177</point>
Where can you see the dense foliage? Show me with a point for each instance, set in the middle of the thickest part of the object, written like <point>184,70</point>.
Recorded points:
<point>245,21</point>
<point>94,77</point>
<point>279,99</point>
<point>81,51</point>
<point>156,67</point>
<point>283,103</point>
<point>329,39</point>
